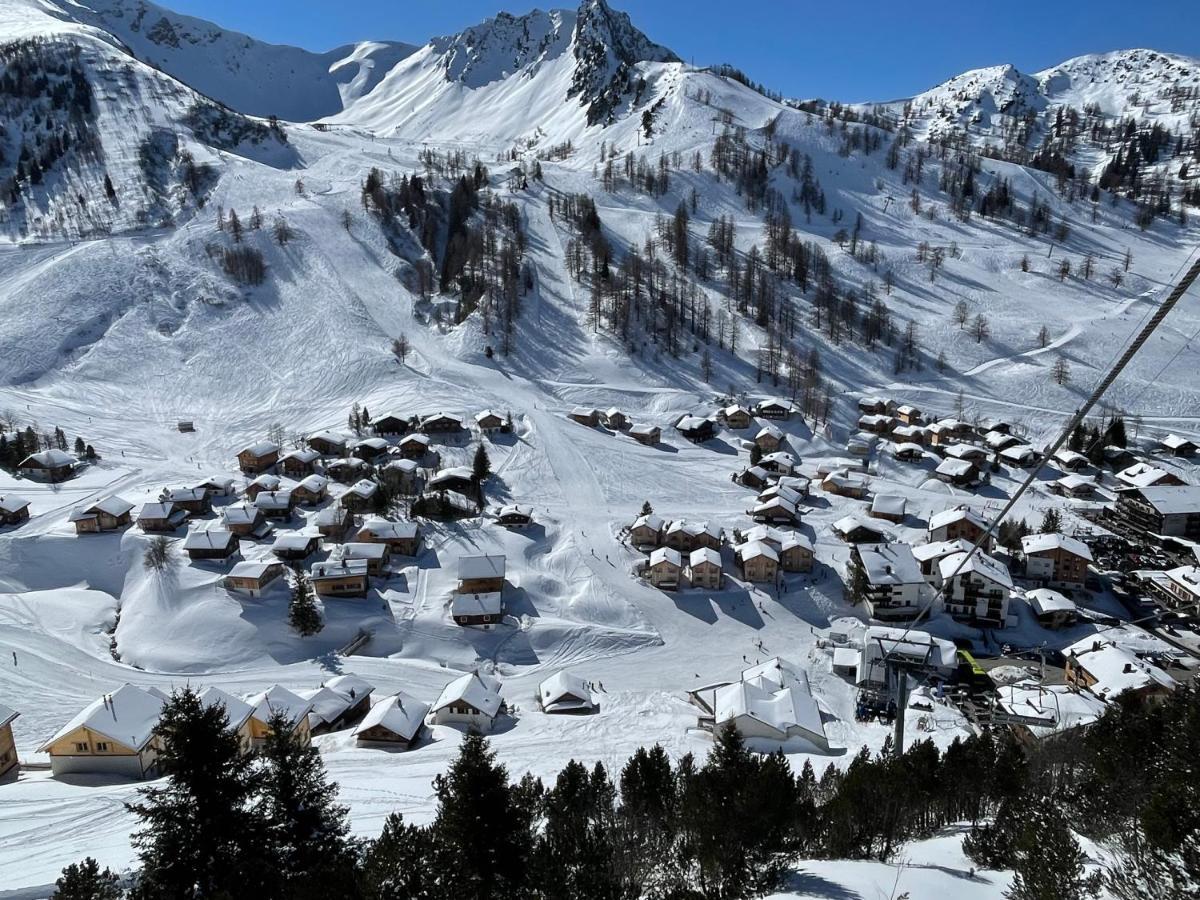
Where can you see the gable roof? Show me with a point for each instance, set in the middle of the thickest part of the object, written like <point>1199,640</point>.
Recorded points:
<point>957,514</point>
<point>278,699</point>
<point>564,691</point>
<point>1041,543</point>
<point>400,714</point>
<point>237,710</point>
<point>474,688</point>
<point>209,539</point>
<point>11,503</point>
<point>127,716</point>
<point>112,506</point>
<point>50,459</point>
<point>472,567</point>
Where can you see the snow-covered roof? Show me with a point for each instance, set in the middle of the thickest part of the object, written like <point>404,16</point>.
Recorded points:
<point>371,443</point>
<point>422,439</point>
<point>666,555</point>
<point>774,503</point>
<point>1175,442</point>
<point>979,564</point>
<point>1018,452</point>
<point>1044,601</point>
<point>1041,543</point>
<point>565,692</point>
<point>331,515</point>
<point>400,714</point>
<point>127,716</point>
<point>957,514</point>
<point>278,699</point>
<point>1058,707</point>
<point>452,474</point>
<point>327,705</point>
<point>185,495</point>
<point>489,603</point>
<point>487,414</point>
<point>339,568</point>
<point>238,711</point>
<point>704,555</point>
<point>1186,578</point>
<point>274,500</point>
<point>754,549</point>
<point>7,715</point>
<point>889,504</point>
<point>515,509</point>
<point>364,488</point>
<point>775,694</point>
<point>112,506</point>
<point>241,515</point>
<point>261,449</point>
<point>303,454</point>
<point>252,568</point>
<point>1115,669</point>
<point>348,462</point>
<point>999,439</point>
<point>1068,457</point>
<point>691,423</point>
<point>764,533</point>
<point>329,437</point>
<point>148,510</point>
<point>385,530</point>
<point>294,540</point>
<point>795,540</point>
<point>351,684</point>
<point>408,466</point>
<point>485,566</point>
<point>474,688</point>
<point>769,430</point>
<point>314,483</point>
<point>1173,499</point>
<point>585,412</point>
<point>848,524</point>
<point>213,538</point>
<point>652,521</point>
<point>50,459</point>
<point>912,643</point>
<point>1075,482</point>
<point>11,503</point>
<point>266,481</point>
<point>845,479</point>
<point>907,447</point>
<point>890,564</point>
<point>940,549</point>
<point>363,550</point>
<point>780,458</point>
<point>965,451</point>
<point>955,468</point>
<point>1142,475</point>
<point>644,429</point>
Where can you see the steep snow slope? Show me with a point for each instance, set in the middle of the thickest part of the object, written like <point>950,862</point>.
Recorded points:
<point>245,74</point>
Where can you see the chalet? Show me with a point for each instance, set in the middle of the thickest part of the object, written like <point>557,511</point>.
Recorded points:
<point>299,463</point>
<point>258,457</point>
<point>369,449</point>
<point>1118,458</point>
<point>346,470</point>
<point>735,418</point>
<point>796,554</point>
<point>8,747</point>
<point>908,415</point>
<point>646,532</point>
<point>855,530</point>
<point>960,522</point>
<point>887,579</point>
<point>759,562</point>
<point>160,518</point>
<point>341,578</point>
<point>193,501</point>
<point>265,482</point>
<point>585,416</point>
<point>389,425</point>
<point>778,463</point>
<point>911,434</point>
<point>664,568</point>
<point>488,422</point>
<point>278,701</point>
<point>755,477</point>
<point>252,576</point>
<point>1169,511</point>
<point>861,444</point>
<point>975,589</point>
<point>414,446</point>
<point>481,574</point>
<point>1142,475</point>
<point>472,700</point>
<point>113,735</point>
<point>359,496</point>
<point>916,648</point>
<point>441,423</point>
<point>940,435</point>
<point>210,543</point>
<point>998,440</point>
<point>615,419</point>
<point>1178,446</point>
<point>771,702</point>
<point>798,484</point>
<point>1051,608</point>
<point>872,406</point>
<point>1069,460</point>
<point>958,472</point>
<point>564,692</point>
<point>686,536</point>
<point>377,555</point>
<point>876,424</point>
<point>704,568</point>
<point>515,516</point>
<point>1022,456</point>
<point>1079,487</point>
<point>776,511</point>
<point>908,452</point>
<point>238,712</point>
<point>333,522</point>
<point>483,611</point>
<point>338,703</point>
<point>1056,560</point>
<point>296,546</point>
<point>956,428</point>
<point>791,495</point>
<point>969,452</point>
<point>51,466</point>
<point>275,504</point>
<point>311,490</point>
<point>1108,671</point>
<point>696,429</point>
<point>1178,587</point>
<point>650,435</point>
<point>245,521</point>
<point>13,509</point>
<point>218,486</point>
<point>844,483</point>
<point>769,438</point>
<point>889,507</point>
<point>327,443</point>
<point>109,514</point>
<point>402,475</point>
<point>395,721</point>
<point>773,409</point>
<point>401,538</point>
<point>459,479</point>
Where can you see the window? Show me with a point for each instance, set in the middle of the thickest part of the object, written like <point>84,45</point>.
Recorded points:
<point>81,747</point>
<point>102,747</point>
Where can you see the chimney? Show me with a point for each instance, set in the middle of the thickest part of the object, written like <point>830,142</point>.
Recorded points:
<point>1128,668</point>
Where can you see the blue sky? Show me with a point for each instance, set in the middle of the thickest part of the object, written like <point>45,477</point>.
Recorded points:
<point>847,50</point>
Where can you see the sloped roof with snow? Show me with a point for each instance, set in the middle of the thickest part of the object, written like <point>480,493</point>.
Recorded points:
<point>754,549</point>
<point>51,459</point>
<point>775,694</point>
<point>400,714</point>
<point>127,716</point>
<point>978,564</point>
<point>474,688</point>
<point>704,555</point>
<point>11,503</point>
<point>238,711</point>
<point>890,564</point>
<point>1115,669</point>
<point>889,504</point>
<point>667,555</point>
<point>1041,543</point>
<point>1173,499</point>
<point>1044,600</point>
<point>485,566</point>
<point>1142,475</point>
<point>565,691</point>
<point>278,699</point>
<point>7,715</point>
<point>940,549</point>
<point>208,539</point>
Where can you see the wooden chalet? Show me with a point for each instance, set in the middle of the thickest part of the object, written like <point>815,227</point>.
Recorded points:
<point>260,457</point>
<point>278,701</point>
<point>295,546</point>
<point>650,435</point>
<point>1178,446</point>
<point>615,419</point>
<point>704,569</point>
<point>276,504</point>
<point>333,522</point>
<point>390,426</point>
<point>194,500</point>
<point>664,568</point>
<point>401,538</point>
<point>160,518</point>
<point>264,482</point>
<point>758,561</point>
<point>341,578</point>
<point>515,516</point>
<point>441,423</point>
<point>109,514</point>
<point>360,496</point>
<point>397,721</point>
<point>773,409</point>
<point>908,414</point>
<point>210,544</point>
<point>218,486</point>
<point>311,490</point>
<point>696,429</point>
<point>769,439</point>
<point>51,466</point>
<point>585,416</point>
<point>889,507</point>
<point>959,472</point>
<point>488,422</point>
<point>646,532</point>
<point>481,574</point>
<point>414,446</point>
<point>113,735</point>
<point>959,522</point>
<point>253,576</point>
<point>246,521</point>
<point>13,509</point>
<point>376,554</point>
<point>873,406</point>
<point>735,418</point>
<point>298,463</point>
<point>327,443</point>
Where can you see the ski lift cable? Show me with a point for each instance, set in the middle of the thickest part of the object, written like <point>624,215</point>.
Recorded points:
<point>1105,383</point>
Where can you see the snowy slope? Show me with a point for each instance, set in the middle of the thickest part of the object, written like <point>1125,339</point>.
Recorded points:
<point>243,73</point>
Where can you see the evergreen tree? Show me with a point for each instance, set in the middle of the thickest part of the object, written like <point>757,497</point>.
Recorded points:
<point>481,465</point>
<point>483,829</point>
<point>647,509</point>
<point>303,614</point>
<point>201,835</point>
<point>308,830</point>
<point>1051,522</point>
<point>1048,864</point>
<point>399,864</point>
<point>574,855</point>
<point>87,881</point>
